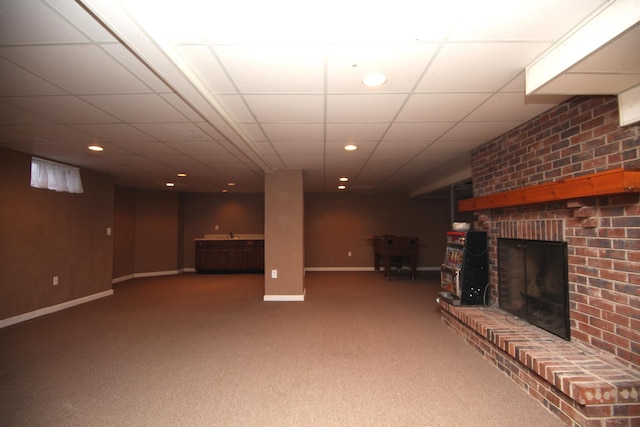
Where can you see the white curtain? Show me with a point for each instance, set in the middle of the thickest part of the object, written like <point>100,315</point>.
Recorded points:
<point>55,176</point>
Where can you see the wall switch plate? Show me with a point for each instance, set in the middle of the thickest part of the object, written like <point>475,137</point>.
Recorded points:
<point>349,253</point>
<point>108,231</point>
<point>274,274</point>
<point>216,227</point>
<point>55,280</point>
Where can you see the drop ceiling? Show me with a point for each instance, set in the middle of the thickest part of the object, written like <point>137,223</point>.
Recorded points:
<point>231,92</point>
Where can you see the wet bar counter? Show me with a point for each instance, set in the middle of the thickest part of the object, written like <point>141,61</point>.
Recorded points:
<point>219,253</point>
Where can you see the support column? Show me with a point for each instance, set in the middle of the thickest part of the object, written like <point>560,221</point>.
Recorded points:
<point>284,236</point>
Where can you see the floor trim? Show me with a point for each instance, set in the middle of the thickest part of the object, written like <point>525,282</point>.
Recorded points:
<point>48,310</point>
<point>285,297</point>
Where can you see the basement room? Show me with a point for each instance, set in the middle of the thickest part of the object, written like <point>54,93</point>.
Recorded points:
<point>287,213</point>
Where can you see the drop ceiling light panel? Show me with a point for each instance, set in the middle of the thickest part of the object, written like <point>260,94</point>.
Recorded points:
<point>237,96</point>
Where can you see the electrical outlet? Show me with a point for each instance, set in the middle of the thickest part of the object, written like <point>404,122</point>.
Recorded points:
<point>217,227</point>
<point>55,280</point>
<point>274,274</point>
<point>349,253</point>
<point>108,231</point>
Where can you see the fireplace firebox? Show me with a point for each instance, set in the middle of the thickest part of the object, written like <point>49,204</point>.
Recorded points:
<point>533,283</point>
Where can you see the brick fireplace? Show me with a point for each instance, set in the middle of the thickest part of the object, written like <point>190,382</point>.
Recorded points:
<point>593,380</point>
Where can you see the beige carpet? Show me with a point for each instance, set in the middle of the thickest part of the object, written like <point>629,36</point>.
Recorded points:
<point>205,350</point>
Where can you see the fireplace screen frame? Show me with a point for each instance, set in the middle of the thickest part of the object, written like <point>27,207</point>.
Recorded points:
<point>526,287</point>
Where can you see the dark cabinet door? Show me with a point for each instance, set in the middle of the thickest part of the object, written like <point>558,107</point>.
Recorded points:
<point>235,257</point>
<point>228,256</point>
<point>202,255</point>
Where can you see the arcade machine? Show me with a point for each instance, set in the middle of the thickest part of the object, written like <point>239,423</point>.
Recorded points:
<point>464,274</point>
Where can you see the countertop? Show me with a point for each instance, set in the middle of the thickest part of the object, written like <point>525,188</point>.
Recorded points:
<point>235,237</point>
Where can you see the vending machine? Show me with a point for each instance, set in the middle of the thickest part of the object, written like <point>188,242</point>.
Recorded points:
<point>464,273</point>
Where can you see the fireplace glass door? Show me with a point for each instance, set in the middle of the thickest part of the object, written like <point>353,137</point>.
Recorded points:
<point>533,282</point>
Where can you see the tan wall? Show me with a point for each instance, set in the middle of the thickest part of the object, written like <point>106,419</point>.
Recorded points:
<point>45,233</point>
<point>157,230</point>
<point>124,228</point>
<point>334,224</point>
<point>338,223</point>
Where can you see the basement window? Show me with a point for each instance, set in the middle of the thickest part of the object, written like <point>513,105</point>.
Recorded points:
<point>55,176</point>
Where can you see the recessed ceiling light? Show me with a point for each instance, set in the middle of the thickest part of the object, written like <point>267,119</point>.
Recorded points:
<point>350,147</point>
<point>343,179</point>
<point>170,184</point>
<point>95,148</point>
<point>231,184</point>
<point>374,79</point>
<point>224,190</point>
<point>342,187</point>
<point>182,174</point>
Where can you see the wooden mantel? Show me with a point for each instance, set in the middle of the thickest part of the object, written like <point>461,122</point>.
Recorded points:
<point>615,181</point>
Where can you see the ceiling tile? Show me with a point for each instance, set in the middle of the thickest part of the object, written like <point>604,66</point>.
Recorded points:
<point>451,148</point>
<point>286,108</point>
<point>418,131</point>
<point>62,109</point>
<point>60,65</point>
<point>213,133</point>
<point>288,149</point>
<point>140,108</point>
<point>402,64</point>
<point>236,107</point>
<point>197,148</point>
<point>113,132</point>
<point>456,62</point>
<point>404,149</point>
<point>355,132</point>
<point>288,68</point>
<point>294,132</point>
<point>509,107</point>
<point>176,162</point>
<point>509,20</point>
<point>11,114</point>
<point>148,149</point>
<point>480,132</point>
<point>436,107</point>
<point>53,133</point>
<point>364,107</point>
<point>136,67</point>
<point>120,154</point>
<point>205,65</point>
<point>181,131</point>
<point>16,81</point>
<point>110,151</point>
<point>307,160</point>
<point>253,132</point>
<point>337,148</point>
<point>44,25</point>
<point>87,24</point>
<point>13,139</point>
<point>236,95</point>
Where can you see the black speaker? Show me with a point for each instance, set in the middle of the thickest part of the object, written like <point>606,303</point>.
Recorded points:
<point>474,275</point>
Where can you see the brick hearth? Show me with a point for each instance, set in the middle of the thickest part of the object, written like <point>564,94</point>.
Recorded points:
<point>577,383</point>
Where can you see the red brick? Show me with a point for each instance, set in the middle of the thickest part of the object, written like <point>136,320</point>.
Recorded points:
<point>628,311</point>
<point>619,276</point>
<point>616,340</point>
<point>590,310</point>
<point>601,303</point>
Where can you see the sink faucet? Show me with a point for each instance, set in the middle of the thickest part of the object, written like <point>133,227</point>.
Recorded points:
<point>231,235</point>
